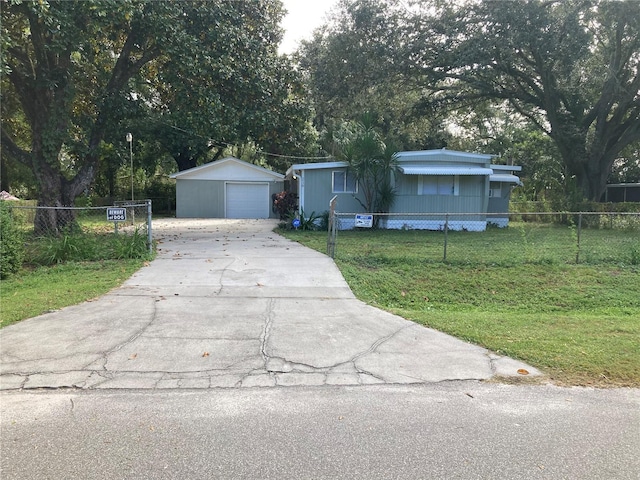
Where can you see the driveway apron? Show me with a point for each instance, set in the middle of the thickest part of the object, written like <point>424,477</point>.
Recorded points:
<point>229,303</point>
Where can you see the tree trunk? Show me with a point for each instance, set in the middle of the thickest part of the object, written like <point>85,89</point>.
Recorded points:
<point>185,161</point>
<point>5,184</point>
<point>52,218</point>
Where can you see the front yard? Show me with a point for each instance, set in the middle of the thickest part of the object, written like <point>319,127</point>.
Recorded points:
<point>580,323</point>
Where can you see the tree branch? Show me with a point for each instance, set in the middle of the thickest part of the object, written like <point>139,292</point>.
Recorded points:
<point>10,148</point>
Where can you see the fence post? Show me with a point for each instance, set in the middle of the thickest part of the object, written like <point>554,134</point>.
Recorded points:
<point>446,235</point>
<point>331,238</point>
<point>579,234</point>
<point>149,236</point>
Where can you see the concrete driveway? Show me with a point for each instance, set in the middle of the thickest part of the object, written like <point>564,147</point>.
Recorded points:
<point>229,303</point>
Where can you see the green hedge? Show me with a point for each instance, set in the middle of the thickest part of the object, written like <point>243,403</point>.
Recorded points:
<point>596,207</point>
<point>11,243</point>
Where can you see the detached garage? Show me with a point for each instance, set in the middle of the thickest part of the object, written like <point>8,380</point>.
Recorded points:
<point>227,188</point>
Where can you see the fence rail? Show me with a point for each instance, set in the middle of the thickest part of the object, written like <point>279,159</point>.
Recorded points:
<point>125,216</point>
<point>514,238</point>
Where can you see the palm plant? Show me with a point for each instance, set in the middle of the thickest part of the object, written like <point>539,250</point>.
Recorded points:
<point>372,163</point>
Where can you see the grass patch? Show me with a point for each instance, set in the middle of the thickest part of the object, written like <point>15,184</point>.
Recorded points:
<point>577,322</point>
<point>70,268</point>
<point>35,291</point>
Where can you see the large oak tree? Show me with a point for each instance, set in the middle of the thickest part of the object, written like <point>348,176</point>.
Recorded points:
<point>571,67</point>
<point>353,70</point>
<point>76,67</point>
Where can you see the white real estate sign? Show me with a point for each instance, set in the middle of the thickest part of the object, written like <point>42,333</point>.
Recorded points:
<point>364,220</point>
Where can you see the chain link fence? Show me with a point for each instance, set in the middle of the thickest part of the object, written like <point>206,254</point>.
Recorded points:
<point>127,218</point>
<point>485,239</point>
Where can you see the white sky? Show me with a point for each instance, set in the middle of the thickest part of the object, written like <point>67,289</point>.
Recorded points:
<point>303,17</point>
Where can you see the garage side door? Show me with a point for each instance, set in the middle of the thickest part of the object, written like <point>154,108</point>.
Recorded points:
<point>247,200</point>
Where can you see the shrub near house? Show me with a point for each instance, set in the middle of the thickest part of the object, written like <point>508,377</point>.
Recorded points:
<point>11,244</point>
<point>284,204</point>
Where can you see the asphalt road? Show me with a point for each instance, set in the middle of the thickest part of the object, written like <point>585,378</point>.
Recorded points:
<point>450,430</point>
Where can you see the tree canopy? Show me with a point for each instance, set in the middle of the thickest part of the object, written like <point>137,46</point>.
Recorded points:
<point>352,67</point>
<point>83,71</point>
<point>571,68</point>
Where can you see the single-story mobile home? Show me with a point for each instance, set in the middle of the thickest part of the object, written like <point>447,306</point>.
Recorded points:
<point>467,186</point>
<point>227,188</point>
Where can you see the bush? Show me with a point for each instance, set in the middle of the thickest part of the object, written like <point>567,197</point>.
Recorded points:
<point>82,247</point>
<point>11,244</point>
<point>130,246</point>
<point>324,221</point>
<point>70,246</point>
<point>285,204</point>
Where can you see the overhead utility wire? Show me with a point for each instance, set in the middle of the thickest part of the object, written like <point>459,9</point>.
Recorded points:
<point>225,144</point>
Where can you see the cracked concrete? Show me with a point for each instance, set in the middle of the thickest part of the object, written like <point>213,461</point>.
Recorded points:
<point>230,304</point>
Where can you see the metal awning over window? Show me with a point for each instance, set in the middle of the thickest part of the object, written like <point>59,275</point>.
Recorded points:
<point>443,170</point>
<point>505,178</point>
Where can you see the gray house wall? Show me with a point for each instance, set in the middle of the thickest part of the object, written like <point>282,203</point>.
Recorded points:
<point>199,198</point>
<point>471,200</point>
<point>318,192</point>
<point>472,197</point>
<point>499,204</point>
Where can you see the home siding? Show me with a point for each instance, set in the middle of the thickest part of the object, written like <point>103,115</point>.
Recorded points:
<point>318,192</point>
<point>463,209</point>
<point>472,197</point>
<point>499,206</point>
<point>205,198</point>
<point>199,198</point>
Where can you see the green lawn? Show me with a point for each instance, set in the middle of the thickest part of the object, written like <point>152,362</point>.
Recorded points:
<point>71,268</point>
<point>35,291</point>
<point>579,323</point>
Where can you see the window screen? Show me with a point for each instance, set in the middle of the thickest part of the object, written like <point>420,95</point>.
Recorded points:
<point>438,185</point>
<point>344,182</point>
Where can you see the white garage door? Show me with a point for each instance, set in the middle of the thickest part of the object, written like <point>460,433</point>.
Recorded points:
<point>247,200</point>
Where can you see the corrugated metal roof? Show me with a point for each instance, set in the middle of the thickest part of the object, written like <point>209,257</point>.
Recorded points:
<point>505,178</point>
<point>510,168</point>
<point>443,170</point>
<point>443,154</point>
<point>316,166</point>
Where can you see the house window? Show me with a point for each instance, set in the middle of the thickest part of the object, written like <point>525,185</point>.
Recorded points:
<point>344,182</point>
<point>438,185</point>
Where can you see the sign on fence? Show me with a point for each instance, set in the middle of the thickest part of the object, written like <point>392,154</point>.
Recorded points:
<point>116,214</point>
<point>364,221</point>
